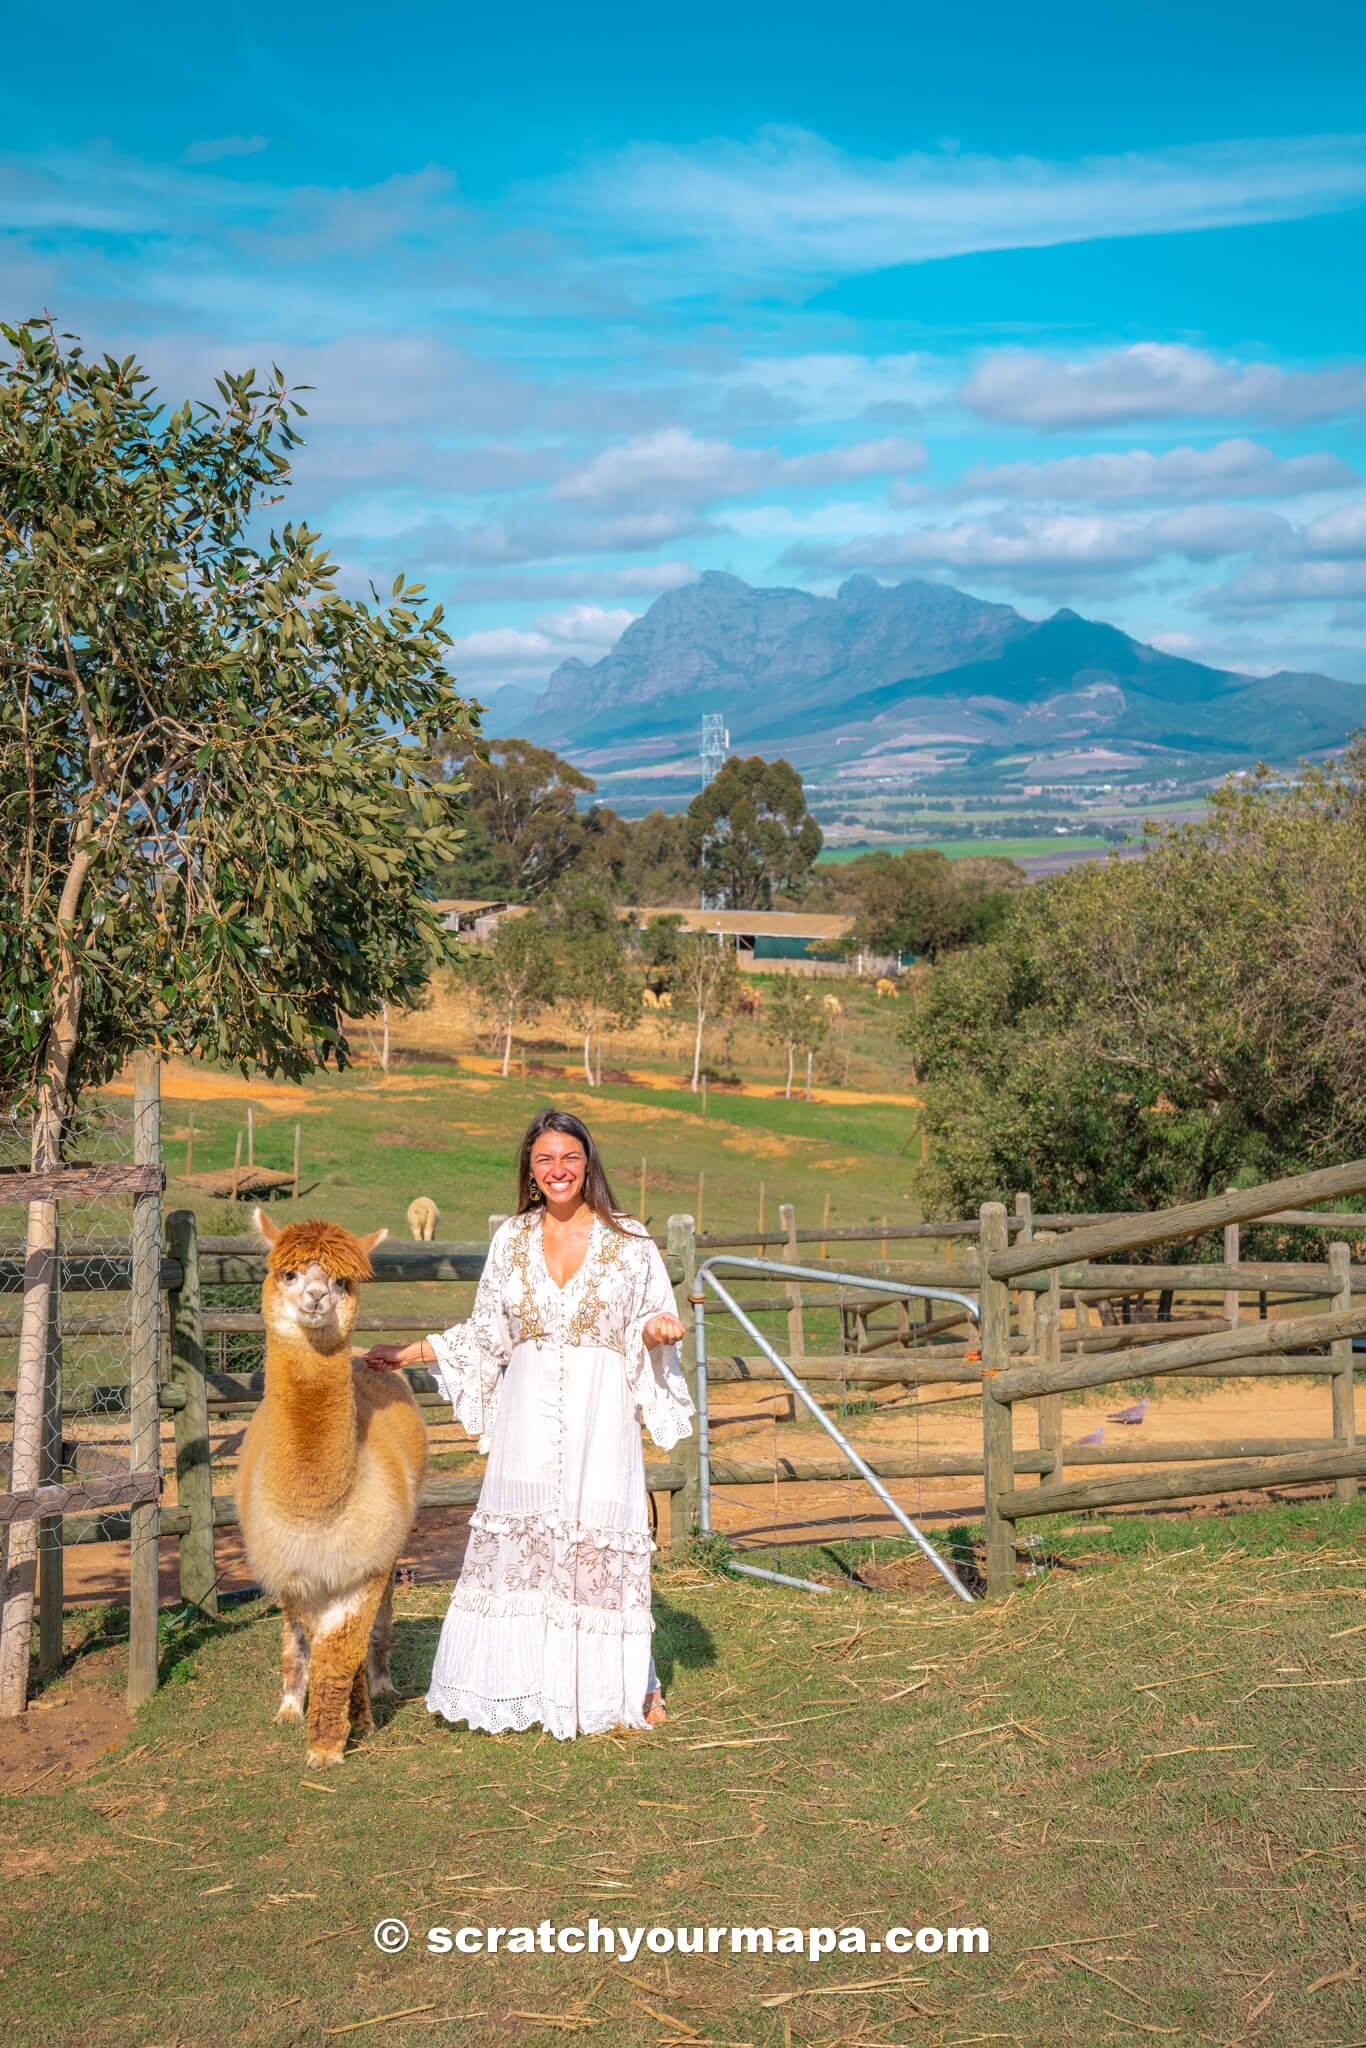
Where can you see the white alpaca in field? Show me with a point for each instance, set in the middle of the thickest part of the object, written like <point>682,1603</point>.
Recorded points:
<point>423,1217</point>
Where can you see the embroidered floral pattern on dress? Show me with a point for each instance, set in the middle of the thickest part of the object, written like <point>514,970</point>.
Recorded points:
<point>583,1324</point>
<point>527,1311</point>
<point>569,1562</point>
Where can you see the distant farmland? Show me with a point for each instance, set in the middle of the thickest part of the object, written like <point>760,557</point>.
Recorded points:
<point>1047,845</point>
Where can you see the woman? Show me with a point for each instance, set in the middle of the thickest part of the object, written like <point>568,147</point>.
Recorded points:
<point>570,1346</point>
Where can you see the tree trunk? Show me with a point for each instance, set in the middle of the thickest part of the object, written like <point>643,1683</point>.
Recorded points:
<point>40,1258</point>
<point>697,1049</point>
<point>791,1056</point>
<point>384,1041</point>
<point>507,1045</point>
<point>810,1060</point>
<point>587,1047</point>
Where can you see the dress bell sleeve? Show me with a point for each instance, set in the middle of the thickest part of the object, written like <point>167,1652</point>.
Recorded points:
<point>470,1356</point>
<point>653,1372</point>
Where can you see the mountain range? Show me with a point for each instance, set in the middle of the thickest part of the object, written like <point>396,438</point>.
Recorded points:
<point>909,679</point>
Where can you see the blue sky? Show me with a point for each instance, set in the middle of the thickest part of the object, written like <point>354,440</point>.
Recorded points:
<point>1058,307</point>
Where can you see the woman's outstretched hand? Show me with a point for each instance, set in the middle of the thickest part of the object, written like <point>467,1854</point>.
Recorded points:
<point>386,1357</point>
<point>663,1329</point>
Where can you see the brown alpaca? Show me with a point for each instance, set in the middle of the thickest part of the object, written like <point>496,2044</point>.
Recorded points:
<point>331,1467</point>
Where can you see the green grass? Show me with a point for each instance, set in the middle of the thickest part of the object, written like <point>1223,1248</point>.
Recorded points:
<point>958,849</point>
<point>368,1149</point>
<point>1125,1772</point>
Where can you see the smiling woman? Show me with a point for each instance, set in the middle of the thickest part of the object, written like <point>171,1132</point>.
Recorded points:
<point>571,1345</point>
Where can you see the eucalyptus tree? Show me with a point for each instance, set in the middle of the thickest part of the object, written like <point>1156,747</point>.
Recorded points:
<point>217,817</point>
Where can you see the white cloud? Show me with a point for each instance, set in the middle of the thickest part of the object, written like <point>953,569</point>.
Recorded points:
<point>1286,583</point>
<point>509,654</point>
<point>1341,532</point>
<point>591,625</point>
<point>789,204</point>
<point>532,539</point>
<point>682,468</point>
<point>636,579</point>
<point>1323,562</point>
<point>1235,468</point>
<point>1051,543</point>
<point>841,385</point>
<point>1153,380</point>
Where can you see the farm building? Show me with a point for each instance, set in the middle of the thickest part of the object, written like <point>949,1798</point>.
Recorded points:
<point>474,917</point>
<point>763,938</point>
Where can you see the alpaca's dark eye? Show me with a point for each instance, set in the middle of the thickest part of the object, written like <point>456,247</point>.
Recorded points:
<point>288,1279</point>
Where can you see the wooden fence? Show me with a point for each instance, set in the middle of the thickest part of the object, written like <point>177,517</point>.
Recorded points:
<point>1020,1266</point>
<point>1022,1351</point>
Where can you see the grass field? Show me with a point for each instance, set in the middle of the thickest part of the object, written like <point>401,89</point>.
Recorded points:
<point>957,849</point>
<point>1141,1776</point>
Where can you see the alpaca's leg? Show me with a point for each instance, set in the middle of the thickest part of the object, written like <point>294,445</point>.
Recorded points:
<point>293,1669</point>
<point>358,1706</point>
<point>340,1639</point>
<point>381,1641</point>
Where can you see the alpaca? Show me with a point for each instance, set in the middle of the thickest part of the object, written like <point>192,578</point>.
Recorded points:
<point>331,1467</point>
<point>650,998</point>
<point>832,1006</point>
<point>886,988</point>
<point>423,1217</point>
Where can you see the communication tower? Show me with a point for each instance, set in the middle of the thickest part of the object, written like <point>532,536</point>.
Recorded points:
<point>715,745</point>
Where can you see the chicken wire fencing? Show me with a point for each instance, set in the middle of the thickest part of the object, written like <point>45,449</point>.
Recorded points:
<point>87,1451</point>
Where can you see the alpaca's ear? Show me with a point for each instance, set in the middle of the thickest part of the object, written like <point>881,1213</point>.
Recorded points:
<point>269,1231</point>
<point>368,1244</point>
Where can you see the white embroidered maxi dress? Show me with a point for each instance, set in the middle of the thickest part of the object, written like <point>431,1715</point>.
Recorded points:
<point>550,1618</point>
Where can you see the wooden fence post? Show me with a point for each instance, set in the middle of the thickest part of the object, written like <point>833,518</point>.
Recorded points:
<point>1048,1340</point>
<point>193,1463</point>
<point>1232,1240</point>
<point>298,1146</point>
<point>998,1436</point>
<point>796,1328</point>
<point>1344,1402</point>
<point>685,1503</point>
<point>1024,1211</point>
<point>51,1577</point>
<point>143,1410</point>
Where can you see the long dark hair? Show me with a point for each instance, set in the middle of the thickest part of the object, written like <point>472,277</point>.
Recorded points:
<point>596,1191</point>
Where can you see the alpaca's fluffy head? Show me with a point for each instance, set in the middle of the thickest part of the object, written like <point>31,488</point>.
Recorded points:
<point>312,1273</point>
